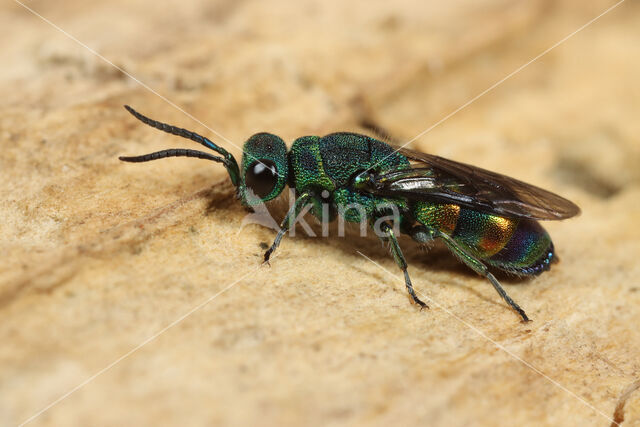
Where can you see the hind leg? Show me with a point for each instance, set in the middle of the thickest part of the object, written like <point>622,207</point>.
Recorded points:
<point>476,265</point>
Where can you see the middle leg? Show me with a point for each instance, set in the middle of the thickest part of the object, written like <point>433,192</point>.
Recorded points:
<point>389,236</point>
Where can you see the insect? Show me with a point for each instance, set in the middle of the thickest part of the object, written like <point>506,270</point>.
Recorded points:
<point>484,218</point>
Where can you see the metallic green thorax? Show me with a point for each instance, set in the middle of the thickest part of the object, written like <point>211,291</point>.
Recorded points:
<point>330,164</point>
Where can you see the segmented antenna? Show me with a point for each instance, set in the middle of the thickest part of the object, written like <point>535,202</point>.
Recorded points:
<point>227,160</point>
<point>173,152</point>
<point>174,130</point>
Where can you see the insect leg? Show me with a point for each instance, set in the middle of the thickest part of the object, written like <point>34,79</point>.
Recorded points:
<point>389,236</point>
<point>477,266</point>
<point>287,223</point>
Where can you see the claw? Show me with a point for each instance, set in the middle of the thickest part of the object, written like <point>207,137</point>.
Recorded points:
<point>525,318</point>
<point>267,255</point>
<point>421,304</point>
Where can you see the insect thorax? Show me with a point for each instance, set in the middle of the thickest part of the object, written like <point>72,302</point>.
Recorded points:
<point>326,166</point>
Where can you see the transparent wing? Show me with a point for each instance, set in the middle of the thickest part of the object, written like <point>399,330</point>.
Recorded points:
<point>435,178</point>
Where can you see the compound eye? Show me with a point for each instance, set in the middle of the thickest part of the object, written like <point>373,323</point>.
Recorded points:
<point>261,177</point>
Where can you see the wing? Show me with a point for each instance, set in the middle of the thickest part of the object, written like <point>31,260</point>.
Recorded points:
<point>438,179</point>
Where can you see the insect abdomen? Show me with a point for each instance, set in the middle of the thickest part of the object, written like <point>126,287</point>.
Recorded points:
<point>517,245</point>
<point>529,251</point>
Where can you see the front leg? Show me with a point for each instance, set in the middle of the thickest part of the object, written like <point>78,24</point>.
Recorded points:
<point>287,223</point>
<point>389,236</point>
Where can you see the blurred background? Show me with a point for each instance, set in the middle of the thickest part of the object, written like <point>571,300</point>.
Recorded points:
<point>99,256</point>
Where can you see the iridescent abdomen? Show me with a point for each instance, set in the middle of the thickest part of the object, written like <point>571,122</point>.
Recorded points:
<point>517,245</point>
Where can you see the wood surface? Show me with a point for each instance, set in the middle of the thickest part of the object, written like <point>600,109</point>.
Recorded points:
<point>134,295</point>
